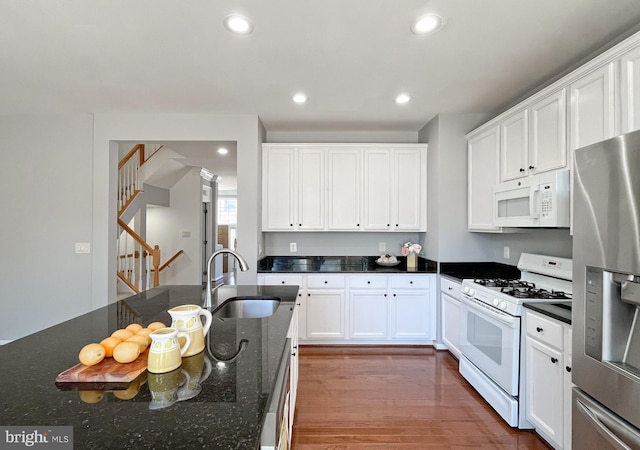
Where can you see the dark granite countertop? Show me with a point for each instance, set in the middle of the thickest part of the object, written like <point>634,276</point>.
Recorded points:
<point>558,310</point>
<point>470,270</point>
<point>339,264</point>
<point>227,413</point>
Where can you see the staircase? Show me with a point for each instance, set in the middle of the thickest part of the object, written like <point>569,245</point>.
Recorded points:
<point>139,264</point>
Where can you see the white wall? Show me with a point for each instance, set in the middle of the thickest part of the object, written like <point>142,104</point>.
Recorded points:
<point>336,244</point>
<point>166,227</point>
<point>45,191</point>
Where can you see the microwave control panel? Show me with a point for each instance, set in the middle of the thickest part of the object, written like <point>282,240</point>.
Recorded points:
<point>546,200</point>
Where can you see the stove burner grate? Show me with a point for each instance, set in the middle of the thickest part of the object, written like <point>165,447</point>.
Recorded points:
<point>532,292</point>
<point>504,283</point>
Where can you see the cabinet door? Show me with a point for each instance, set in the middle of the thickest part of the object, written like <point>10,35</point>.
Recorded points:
<point>592,110</point>
<point>548,150</point>
<point>325,314</point>
<point>451,323</point>
<point>568,386</point>
<point>344,180</point>
<point>514,146</point>
<point>407,192</point>
<point>544,390</point>
<point>278,191</point>
<point>630,90</point>
<point>311,215</point>
<point>293,367</point>
<point>483,174</point>
<point>377,189</point>
<point>368,314</point>
<point>409,314</point>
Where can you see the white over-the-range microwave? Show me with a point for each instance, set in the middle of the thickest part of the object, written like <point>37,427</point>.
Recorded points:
<point>540,200</point>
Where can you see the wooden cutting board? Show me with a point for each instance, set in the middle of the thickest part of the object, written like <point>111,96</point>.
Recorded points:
<point>106,371</point>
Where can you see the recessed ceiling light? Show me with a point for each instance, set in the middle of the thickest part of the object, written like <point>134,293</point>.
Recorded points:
<point>300,98</point>
<point>238,24</point>
<point>429,23</point>
<point>403,98</point>
<point>223,151</point>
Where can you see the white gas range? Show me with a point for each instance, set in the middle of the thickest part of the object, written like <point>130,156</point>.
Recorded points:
<point>490,330</point>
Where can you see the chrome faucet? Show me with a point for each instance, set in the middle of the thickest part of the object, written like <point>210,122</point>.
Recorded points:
<point>241,261</point>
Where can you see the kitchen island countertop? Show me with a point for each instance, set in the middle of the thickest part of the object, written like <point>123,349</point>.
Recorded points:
<point>241,361</point>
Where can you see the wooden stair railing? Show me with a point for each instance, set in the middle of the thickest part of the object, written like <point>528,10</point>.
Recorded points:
<point>129,183</point>
<point>130,265</point>
<point>136,265</point>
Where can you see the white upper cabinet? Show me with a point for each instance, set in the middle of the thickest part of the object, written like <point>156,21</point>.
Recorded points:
<point>514,146</point>
<point>344,177</point>
<point>311,201</point>
<point>409,190</point>
<point>377,189</point>
<point>278,193</point>
<point>344,187</point>
<point>483,163</point>
<point>548,133</point>
<point>592,109</point>
<point>630,90</point>
<point>293,189</point>
<point>395,189</point>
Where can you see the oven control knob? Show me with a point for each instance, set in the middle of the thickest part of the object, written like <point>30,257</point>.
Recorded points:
<point>496,302</point>
<point>472,292</point>
<point>503,306</point>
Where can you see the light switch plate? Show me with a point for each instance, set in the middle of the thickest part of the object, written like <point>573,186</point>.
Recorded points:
<point>83,247</point>
<point>507,251</point>
<point>293,247</point>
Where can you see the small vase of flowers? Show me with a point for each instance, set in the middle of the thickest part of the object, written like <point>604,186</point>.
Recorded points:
<point>411,252</point>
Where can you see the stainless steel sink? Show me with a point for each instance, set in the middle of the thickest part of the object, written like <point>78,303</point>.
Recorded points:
<point>247,308</point>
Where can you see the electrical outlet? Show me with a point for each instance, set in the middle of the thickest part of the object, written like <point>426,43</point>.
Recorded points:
<point>293,247</point>
<point>506,252</point>
<point>382,247</point>
<point>83,247</point>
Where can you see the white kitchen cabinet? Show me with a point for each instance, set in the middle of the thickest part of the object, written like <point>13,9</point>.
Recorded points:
<point>547,379</point>
<point>394,189</point>
<point>293,189</point>
<point>514,146</point>
<point>377,189</point>
<point>630,90</point>
<point>408,205</point>
<point>592,107</point>
<point>344,189</point>
<point>368,307</point>
<point>483,167</point>
<point>450,305</point>
<point>548,133</point>
<point>325,308</point>
<point>409,308</point>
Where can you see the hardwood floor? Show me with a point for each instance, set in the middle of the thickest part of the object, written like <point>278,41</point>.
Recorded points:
<point>361,398</point>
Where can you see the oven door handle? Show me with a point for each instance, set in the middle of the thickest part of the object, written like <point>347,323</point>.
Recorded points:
<point>489,311</point>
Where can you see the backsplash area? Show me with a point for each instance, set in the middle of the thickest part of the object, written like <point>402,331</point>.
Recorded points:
<point>338,244</point>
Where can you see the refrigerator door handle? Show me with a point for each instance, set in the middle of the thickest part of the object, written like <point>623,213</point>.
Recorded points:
<point>604,431</point>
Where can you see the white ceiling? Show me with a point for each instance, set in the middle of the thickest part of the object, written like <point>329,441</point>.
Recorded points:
<point>352,57</point>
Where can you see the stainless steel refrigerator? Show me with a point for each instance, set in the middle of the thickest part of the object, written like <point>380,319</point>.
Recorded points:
<point>606,295</point>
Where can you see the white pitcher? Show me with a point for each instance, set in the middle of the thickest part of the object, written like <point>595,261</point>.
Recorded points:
<point>186,318</point>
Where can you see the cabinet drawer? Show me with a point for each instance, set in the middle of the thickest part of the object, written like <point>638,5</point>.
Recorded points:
<point>410,281</point>
<point>450,287</point>
<point>288,280</point>
<point>325,281</point>
<point>545,330</point>
<point>368,281</point>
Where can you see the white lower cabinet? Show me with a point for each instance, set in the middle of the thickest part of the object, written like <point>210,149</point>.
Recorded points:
<point>293,368</point>
<point>548,378</point>
<point>450,308</point>
<point>364,308</point>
